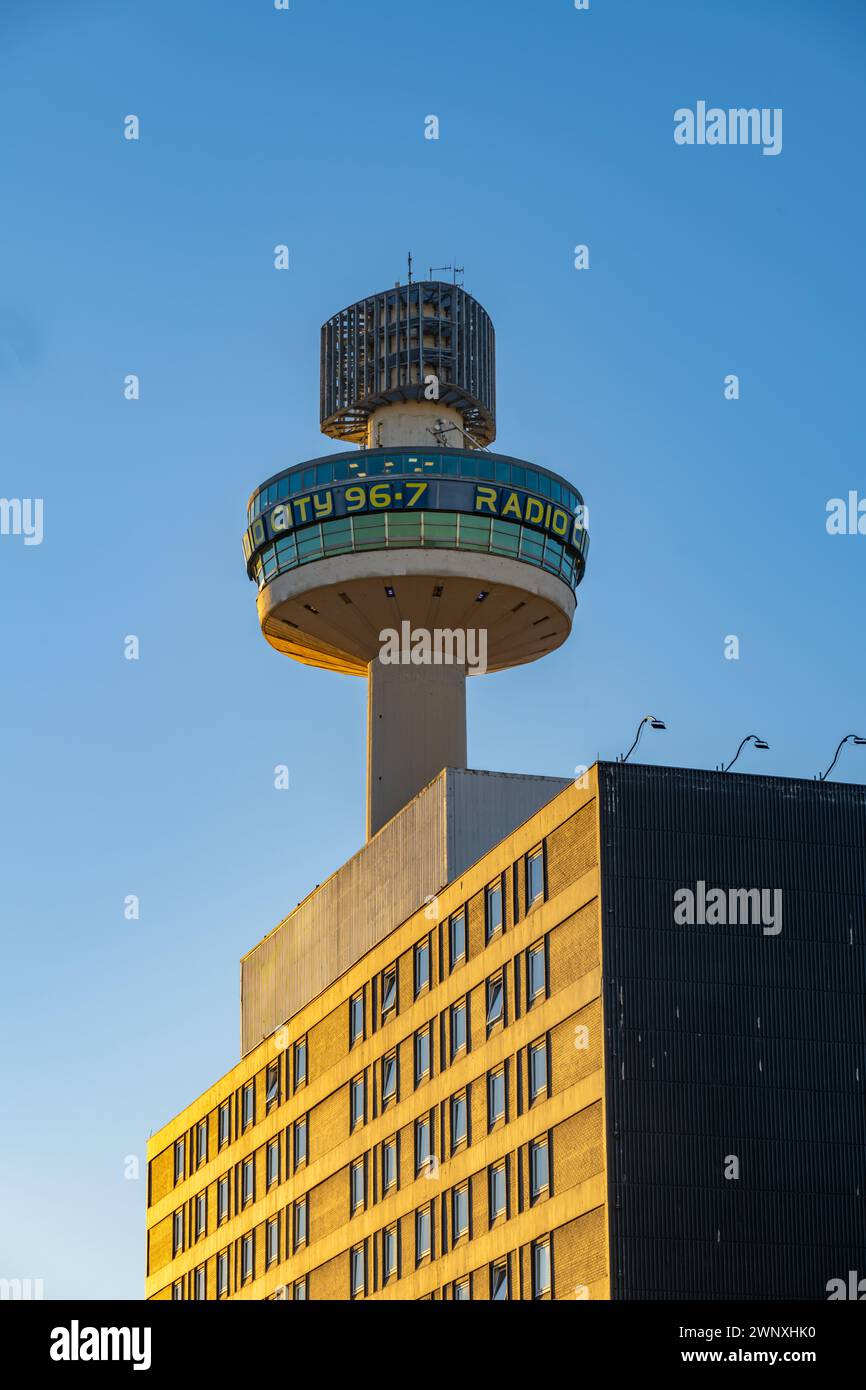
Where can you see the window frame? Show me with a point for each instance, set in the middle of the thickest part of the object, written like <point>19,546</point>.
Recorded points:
<point>358,1257</point>
<point>494,1077</point>
<point>535,856</point>
<point>536,1146</point>
<point>248,1092</point>
<point>495,1172</point>
<point>537,1049</point>
<point>500,1265</point>
<point>302,1127</point>
<point>424,1214</point>
<point>542,1244</point>
<point>455,958</point>
<point>248,1243</point>
<point>463,1140</point>
<point>461,1191</point>
<point>423,949</point>
<point>387,1011</point>
<point>490,983</point>
<point>300,1063</point>
<point>272,1148</point>
<point>390,1146</point>
<point>357,1086</point>
<point>358,1166</point>
<point>248,1167</point>
<point>460,1006</point>
<point>354,1037</point>
<point>534,952</point>
<point>423,1034</point>
<point>492,929</point>
<point>272,1229</point>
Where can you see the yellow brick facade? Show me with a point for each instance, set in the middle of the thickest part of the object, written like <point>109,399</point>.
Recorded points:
<point>558,1036</point>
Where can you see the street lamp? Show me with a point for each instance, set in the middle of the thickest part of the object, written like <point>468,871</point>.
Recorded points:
<point>653,723</point>
<point>849,738</point>
<point>750,738</point>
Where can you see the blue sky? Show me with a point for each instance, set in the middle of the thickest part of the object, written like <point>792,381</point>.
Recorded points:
<point>155,257</point>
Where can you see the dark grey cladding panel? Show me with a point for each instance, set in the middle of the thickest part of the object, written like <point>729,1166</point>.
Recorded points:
<point>723,1040</point>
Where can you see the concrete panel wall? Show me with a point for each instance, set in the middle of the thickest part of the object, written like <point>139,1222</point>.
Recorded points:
<point>450,824</point>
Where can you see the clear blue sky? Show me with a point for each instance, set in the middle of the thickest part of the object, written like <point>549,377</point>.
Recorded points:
<point>707,516</point>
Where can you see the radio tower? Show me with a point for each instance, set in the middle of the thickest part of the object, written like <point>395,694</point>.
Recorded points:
<point>419,530</point>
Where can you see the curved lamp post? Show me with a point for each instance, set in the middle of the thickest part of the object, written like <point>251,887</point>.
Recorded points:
<point>750,738</point>
<point>653,723</point>
<point>849,738</point>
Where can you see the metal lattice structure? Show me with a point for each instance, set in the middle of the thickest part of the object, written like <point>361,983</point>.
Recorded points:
<point>379,351</point>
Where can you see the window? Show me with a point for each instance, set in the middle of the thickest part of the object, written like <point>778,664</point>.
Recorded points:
<point>356,1019</point>
<point>495,1095</point>
<point>201,1145</point>
<point>389,1252</point>
<point>389,990</point>
<point>389,1164</point>
<point>224,1124</point>
<point>358,1271</point>
<point>534,877</point>
<point>462,1291</point>
<point>200,1284</point>
<point>300,1062</point>
<point>249,1105</point>
<point>223,1199</point>
<point>247,1258</point>
<point>422,966</point>
<point>536,982</point>
<point>248,1184</point>
<point>272,1085</point>
<point>460,1211</point>
<point>201,1215</point>
<point>177,1292</point>
<point>301,1211</point>
<point>539,1167</point>
<point>423,1145</point>
<point>495,1002</point>
<point>272,1247</point>
<point>499,1281</point>
<point>498,1191</point>
<point>273,1163</point>
<point>493,909</point>
<point>357,1111</point>
<point>423,1050</point>
<point>458,1027</point>
<point>540,1268</point>
<point>300,1141</point>
<point>423,1233</point>
<point>537,1069</point>
<point>178,1161</point>
<point>222,1273</point>
<point>300,1291</point>
<point>459,1119</point>
<point>457,938</point>
<point>389,1077</point>
<point>177,1233</point>
<point>358,1184</point>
